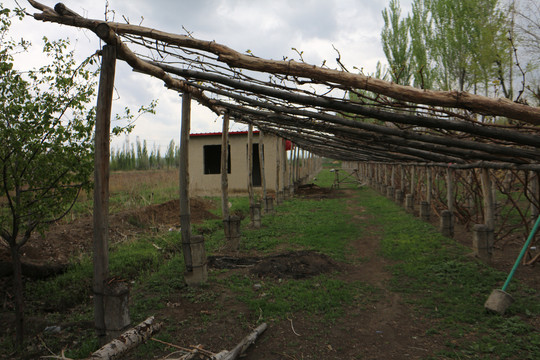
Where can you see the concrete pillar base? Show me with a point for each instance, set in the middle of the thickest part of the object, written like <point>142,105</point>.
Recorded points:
<point>390,192</point>
<point>269,205</point>
<point>115,303</point>
<point>255,215</point>
<point>447,224</point>
<point>199,273</point>
<point>398,197</point>
<point>424,211</point>
<point>409,205</point>
<point>279,197</point>
<point>232,232</point>
<point>482,242</point>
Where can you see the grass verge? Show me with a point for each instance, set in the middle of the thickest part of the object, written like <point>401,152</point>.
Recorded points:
<point>444,283</point>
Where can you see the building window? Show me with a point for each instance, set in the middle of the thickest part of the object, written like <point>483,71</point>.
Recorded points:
<point>212,159</point>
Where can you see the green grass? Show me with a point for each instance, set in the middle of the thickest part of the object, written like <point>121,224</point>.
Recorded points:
<point>325,179</point>
<point>151,292</point>
<point>63,291</point>
<point>321,295</point>
<point>323,226</point>
<point>443,283</point>
<point>127,261</point>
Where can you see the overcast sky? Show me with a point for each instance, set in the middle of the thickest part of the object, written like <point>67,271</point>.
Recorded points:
<point>269,29</point>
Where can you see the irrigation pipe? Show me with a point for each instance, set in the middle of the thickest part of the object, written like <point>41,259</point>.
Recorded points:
<point>522,253</point>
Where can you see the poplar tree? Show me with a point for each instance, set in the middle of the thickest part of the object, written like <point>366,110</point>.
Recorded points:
<point>448,45</point>
<point>396,45</point>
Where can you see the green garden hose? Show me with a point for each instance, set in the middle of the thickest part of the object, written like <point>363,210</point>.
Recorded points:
<point>522,253</point>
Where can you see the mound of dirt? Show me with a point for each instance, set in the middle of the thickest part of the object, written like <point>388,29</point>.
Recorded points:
<point>290,265</point>
<point>312,191</point>
<point>295,265</point>
<point>166,214</point>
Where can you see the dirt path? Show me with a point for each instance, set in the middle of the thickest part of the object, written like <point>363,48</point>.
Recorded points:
<point>388,329</point>
<point>385,328</point>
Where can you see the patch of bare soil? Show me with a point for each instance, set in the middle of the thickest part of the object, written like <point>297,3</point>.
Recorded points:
<point>289,265</point>
<point>312,191</point>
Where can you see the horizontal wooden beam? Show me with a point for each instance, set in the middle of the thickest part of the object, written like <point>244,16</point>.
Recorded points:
<point>328,103</point>
<point>450,99</point>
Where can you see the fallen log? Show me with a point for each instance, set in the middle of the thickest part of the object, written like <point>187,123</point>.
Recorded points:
<point>242,345</point>
<point>127,341</point>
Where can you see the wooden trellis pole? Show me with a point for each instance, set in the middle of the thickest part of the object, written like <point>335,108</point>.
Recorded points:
<point>278,168</point>
<point>254,208</point>
<point>393,177</point>
<point>262,165</point>
<point>403,186</point>
<point>101,187</point>
<point>297,165</point>
<point>293,164</point>
<point>225,167</point>
<point>284,166</point>
<point>291,168</point>
<point>450,189</point>
<point>305,161</point>
<point>313,167</point>
<point>420,188</point>
<point>185,213</point>
<point>413,182</point>
<point>487,194</point>
<point>429,185</point>
<point>312,164</point>
<point>534,194</point>
<point>302,164</point>
<point>250,165</point>
<point>484,233</point>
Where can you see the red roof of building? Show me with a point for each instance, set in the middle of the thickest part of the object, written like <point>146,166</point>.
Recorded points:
<point>219,134</point>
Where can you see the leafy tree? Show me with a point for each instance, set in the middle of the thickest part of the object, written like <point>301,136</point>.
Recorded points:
<point>420,33</point>
<point>159,160</point>
<point>143,160</point>
<point>169,155</point>
<point>447,44</point>
<point>46,152</point>
<point>468,38</point>
<point>395,41</point>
